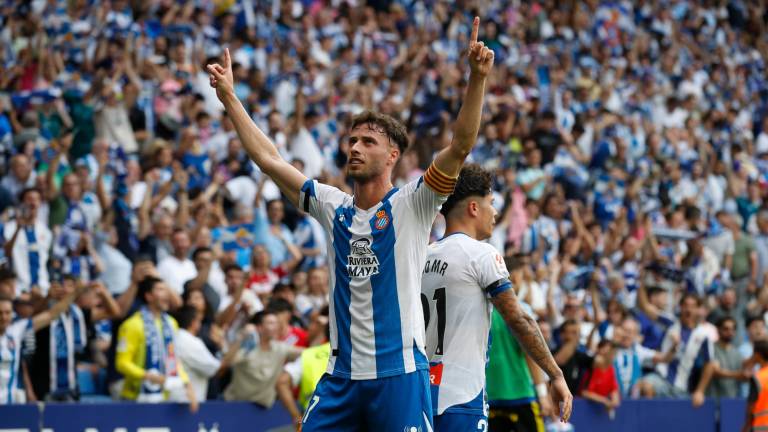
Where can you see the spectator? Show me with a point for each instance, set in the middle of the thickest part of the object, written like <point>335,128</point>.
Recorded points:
<point>11,337</point>
<point>257,365</point>
<point>694,357</point>
<point>317,291</point>
<point>728,371</point>
<point>239,305</point>
<point>197,360</point>
<point>286,332</point>
<point>177,268</point>
<point>305,372</point>
<point>147,349</point>
<point>203,259</point>
<point>601,386</point>
<point>632,357</point>
<point>572,357</point>
<point>21,176</point>
<point>27,244</point>
<point>53,367</point>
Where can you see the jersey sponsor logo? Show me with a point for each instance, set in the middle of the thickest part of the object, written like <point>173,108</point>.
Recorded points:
<point>362,262</point>
<point>382,220</point>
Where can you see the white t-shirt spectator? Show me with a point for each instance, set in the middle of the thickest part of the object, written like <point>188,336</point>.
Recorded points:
<point>30,256</point>
<point>176,272</point>
<point>199,363</point>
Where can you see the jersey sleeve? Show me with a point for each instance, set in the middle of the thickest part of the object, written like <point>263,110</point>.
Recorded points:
<point>321,201</point>
<point>16,330</point>
<point>427,194</point>
<point>491,272</point>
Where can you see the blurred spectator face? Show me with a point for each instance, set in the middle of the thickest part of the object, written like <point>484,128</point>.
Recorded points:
<point>8,288</point>
<point>275,211</point>
<point>756,330</point>
<point>728,299</point>
<point>159,297</point>
<point>196,299</point>
<point>268,327</point>
<point>317,325</point>
<point>572,309</point>
<point>6,314</point>
<point>726,331</point>
<point>181,244</point>
<point>299,279</point>
<point>59,290</point>
<point>285,292</point>
<point>203,260</point>
<point>32,200</point>
<point>261,258</point>
<point>234,279</point>
<point>659,299</point>
<point>243,214</point>
<point>533,158</point>
<point>615,312</point>
<point>629,334</point>
<point>20,167</point>
<point>689,310</point>
<point>317,281</point>
<point>203,238</point>
<point>370,150</point>
<point>630,247</point>
<point>570,333</point>
<point>71,187</point>
<point>164,227</point>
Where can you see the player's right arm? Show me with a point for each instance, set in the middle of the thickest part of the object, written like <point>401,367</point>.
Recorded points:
<point>259,147</point>
<point>528,334</point>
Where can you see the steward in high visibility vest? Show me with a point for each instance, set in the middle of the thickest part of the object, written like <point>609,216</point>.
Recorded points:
<point>757,403</point>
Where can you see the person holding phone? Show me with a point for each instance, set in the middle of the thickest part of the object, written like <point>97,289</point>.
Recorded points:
<point>28,241</point>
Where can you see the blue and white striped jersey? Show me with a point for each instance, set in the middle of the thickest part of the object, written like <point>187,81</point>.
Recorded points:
<point>375,259</point>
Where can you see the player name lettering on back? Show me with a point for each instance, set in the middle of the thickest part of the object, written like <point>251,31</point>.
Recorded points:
<point>435,266</point>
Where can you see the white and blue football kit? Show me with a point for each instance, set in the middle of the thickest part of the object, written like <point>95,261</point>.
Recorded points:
<point>377,373</point>
<point>460,277</point>
<point>10,362</point>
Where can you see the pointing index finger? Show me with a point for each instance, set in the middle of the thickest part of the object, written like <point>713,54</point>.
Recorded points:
<point>227,59</point>
<point>475,28</point>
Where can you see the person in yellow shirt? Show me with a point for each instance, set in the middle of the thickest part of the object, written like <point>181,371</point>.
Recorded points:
<point>146,350</point>
<point>305,372</point>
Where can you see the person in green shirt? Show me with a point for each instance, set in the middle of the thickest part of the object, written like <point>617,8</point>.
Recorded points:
<point>517,394</point>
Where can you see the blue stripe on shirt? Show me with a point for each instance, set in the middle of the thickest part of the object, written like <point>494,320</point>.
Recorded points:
<point>341,291</point>
<point>386,305</point>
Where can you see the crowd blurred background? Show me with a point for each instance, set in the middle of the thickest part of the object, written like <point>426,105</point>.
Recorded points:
<point>629,141</point>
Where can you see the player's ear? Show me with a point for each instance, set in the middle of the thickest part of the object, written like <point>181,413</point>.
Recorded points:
<point>394,154</point>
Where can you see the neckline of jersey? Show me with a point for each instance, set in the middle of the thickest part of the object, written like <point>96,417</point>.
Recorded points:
<point>453,234</point>
<point>377,205</point>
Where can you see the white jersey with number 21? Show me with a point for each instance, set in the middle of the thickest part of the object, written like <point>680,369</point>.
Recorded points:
<point>459,278</point>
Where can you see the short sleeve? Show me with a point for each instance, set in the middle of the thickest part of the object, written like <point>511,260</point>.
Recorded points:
<point>491,271</point>
<point>424,200</point>
<point>321,201</point>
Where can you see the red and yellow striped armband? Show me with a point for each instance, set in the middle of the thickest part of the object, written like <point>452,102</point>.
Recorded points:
<point>438,181</point>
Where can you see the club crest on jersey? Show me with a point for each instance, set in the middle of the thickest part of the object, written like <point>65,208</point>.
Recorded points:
<point>362,262</point>
<point>382,220</point>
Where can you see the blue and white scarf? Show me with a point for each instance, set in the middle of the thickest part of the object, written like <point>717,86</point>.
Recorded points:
<point>160,354</point>
<point>67,337</point>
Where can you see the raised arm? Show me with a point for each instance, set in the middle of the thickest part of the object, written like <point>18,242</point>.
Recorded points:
<point>451,158</point>
<point>528,334</point>
<point>259,147</point>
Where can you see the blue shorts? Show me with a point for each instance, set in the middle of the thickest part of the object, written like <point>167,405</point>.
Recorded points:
<point>397,403</point>
<point>461,422</point>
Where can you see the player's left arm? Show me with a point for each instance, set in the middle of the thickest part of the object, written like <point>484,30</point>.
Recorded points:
<point>528,334</point>
<point>449,161</point>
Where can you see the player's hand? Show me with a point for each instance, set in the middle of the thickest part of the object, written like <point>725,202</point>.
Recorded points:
<point>480,56</point>
<point>221,76</point>
<point>547,410</point>
<point>155,378</point>
<point>561,398</point>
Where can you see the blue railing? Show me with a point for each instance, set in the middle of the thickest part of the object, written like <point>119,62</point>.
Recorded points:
<point>632,416</point>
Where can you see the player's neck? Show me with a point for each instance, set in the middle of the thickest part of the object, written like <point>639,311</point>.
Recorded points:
<point>370,192</point>
<point>453,227</point>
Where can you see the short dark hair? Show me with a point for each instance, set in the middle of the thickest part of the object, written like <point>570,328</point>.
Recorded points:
<point>5,298</point>
<point>200,250</point>
<point>690,295</point>
<point>258,317</point>
<point>277,306</point>
<point>568,323</point>
<point>7,273</point>
<point>722,320</point>
<point>27,190</point>
<point>390,126</point>
<point>186,316</point>
<point>760,347</point>
<point>145,287</point>
<point>753,318</point>
<point>229,267</point>
<point>473,181</point>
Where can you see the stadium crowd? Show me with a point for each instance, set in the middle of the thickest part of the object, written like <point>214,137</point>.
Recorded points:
<point>629,142</point>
